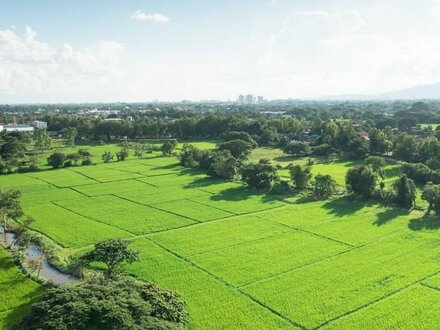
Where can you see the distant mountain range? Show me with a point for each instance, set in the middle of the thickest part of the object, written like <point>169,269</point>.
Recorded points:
<point>428,91</point>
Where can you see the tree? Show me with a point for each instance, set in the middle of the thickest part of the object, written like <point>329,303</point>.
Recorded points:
<point>42,139</point>
<point>324,186</point>
<point>22,237</point>
<point>404,192</point>
<point>121,155</point>
<point>406,148</point>
<point>56,160</point>
<point>300,176</point>
<point>105,304</point>
<point>244,136</point>
<point>261,175</point>
<point>114,253</point>
<point>74,158</point>
<point>107,156</point>
<point>70,134</point>
<point>361,181</point>
<point>431,194</point>
<point>168,147</point>
<point>379,144</point>
<point>297,149</point>
<point>10,207</point>
<point>377,164</point>
<point>237,148</point>
<point>224,165</point>
<point>189,156</point>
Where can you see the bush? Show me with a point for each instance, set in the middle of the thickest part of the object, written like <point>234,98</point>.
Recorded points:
<point>86,162</point>
<point>56,160</point>
<point>300,176</point>
<point>324,186</point>
<point>261,175</point>
<point>421,173</point>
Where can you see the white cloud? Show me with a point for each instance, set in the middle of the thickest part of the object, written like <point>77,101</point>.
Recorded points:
<point>33,68</point>
<point>141,16</point>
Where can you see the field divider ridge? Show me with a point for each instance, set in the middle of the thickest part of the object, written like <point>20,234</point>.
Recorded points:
<point>92,219</point>
<point>418,282</point>
<point>229,285</point>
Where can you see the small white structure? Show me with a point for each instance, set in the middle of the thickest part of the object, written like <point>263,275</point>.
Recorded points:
<point>18,128</point>
<point>39,124</point>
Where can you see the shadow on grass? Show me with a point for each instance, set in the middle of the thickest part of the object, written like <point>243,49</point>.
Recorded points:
<point>425,222</point>
<point>286,158</point>
<point>343,207</point>
<point>388,215</point>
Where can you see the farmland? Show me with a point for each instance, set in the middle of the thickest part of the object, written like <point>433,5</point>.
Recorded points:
<point>242,258</point>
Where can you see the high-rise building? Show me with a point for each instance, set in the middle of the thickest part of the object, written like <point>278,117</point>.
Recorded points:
<point>240,99</point>
<point>260,99</point>
<point>250,99</point>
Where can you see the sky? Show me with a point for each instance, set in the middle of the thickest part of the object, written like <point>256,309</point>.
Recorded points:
<point>141,50</point>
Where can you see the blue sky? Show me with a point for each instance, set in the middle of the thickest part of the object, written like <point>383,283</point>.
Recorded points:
<point>132,50</point>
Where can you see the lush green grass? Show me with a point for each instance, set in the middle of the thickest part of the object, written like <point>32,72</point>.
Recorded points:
<point>417,307</point>
<point>433,126</point>
<point>258,259</point>
<point>242,258</point>
<point>218,234</point>
<point>323,291</point>
<point>124,214</point>
<point>70,229</point>
<point>17,292</point>
<point>211,303</point>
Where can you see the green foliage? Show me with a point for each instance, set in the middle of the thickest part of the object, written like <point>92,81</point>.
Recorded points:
<point>297,149</point>
<point>56,160</point>
<point>261,175</point>
<point>225,166</point>
<point>406,148</point>
<point>107,156</point>
<point>361,181</point>
<point>237,148</point>
<point>42,139</point>
<point>122,154</point>
<point>244,136</point>
<point>404,192</point>
<point>300,176</point>
<point>324,186</point>
<point>70,134</point>
<point>168,147</point>
<point>114,253</point>
<point>377,164</point>
<point>104,304</point>
<point>431,194</point>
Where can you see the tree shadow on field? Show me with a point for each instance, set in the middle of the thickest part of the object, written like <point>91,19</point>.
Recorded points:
<point>425,222</point>
<point>286,158</point>
<point>204,182</point>
<point>236,194</point>
<point>343,207</point>
<point>388,215</point>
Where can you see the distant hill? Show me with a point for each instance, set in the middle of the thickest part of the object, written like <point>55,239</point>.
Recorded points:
<point>428,91</point>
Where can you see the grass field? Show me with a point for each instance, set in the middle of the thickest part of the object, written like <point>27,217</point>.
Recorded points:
<point>242,258</point>
<point>17,292</point>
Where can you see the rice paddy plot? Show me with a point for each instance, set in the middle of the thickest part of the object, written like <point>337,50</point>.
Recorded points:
<point>240,200</point>
<point>171,180</point>
<point>160,195</point>
<point>211,304</point>
<point>126,215</point>
<point>69,229</point>
<point>326,290</point>
<point>48,195</point>
<point>193,210</point>
<point>62,178</point>
<point>116,187</point>
<point>256,260</point>
<point>219,234</point>
<point>103,174</point>
<point>23,183</point>
<point>417,307</point>
<point>17,292</point>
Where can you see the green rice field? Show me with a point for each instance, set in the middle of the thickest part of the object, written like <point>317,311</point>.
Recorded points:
<point>241,258</point>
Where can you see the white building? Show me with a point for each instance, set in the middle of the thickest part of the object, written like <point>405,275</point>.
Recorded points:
<point>18,128</point>
<point>39,124</point>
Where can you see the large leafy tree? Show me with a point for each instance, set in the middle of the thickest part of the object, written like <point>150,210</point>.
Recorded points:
<point>300,176</point>
<point>404,192</point>
<point>106,304</point>
<point>297,148</point>
<point>431,194</point>
<point>324,186</point>
<point>56,160</point>
<point>237,148</point>
<point>361,181</point>
<point>114,253</point>
<point>261,175</point>
<point>70,134</point>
